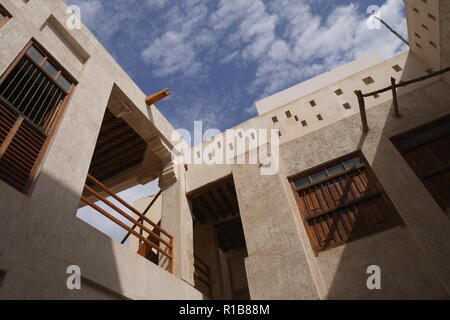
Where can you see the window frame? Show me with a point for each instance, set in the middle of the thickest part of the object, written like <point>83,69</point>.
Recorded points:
<point>32,178</point>
<point>417,144</point>
<point>6,14</point>
<point>394,218</point>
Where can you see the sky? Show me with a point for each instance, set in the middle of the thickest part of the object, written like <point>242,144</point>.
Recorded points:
<point>221,56</point>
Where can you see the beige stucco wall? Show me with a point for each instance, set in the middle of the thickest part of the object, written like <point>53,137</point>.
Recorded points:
<point>422,29</point>
<point>412,258</point>
<point>40,235</point>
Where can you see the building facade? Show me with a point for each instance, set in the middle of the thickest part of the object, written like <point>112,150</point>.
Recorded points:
<point>341,200</point>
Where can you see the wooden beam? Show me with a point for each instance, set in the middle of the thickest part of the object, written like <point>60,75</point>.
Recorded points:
<point>208,208</point>
<point>362,110</point>
<point>394,97</point>
<point>207,187</point>
<point>157,97</point>
<point>198,212</point>
<point>215,202</point>
<point>220,194</point>
<point>143,213</point>
<point>220,222</point>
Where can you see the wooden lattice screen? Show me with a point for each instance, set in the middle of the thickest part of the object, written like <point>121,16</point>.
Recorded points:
<point>33,92</point>
<point>427,151</point>
<point>342,202</point>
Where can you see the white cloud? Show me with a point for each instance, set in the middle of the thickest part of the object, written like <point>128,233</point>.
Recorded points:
<point>284,39</point>
<point>310,45</point>
<point>171,53</point>
<point>109,17</point>
<point>277,43</point>
<point>183,37</point>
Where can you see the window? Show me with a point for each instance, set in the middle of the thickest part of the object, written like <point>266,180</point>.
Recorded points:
<point>312,103</point>
<point>304,123</point>
<point>417,35</point>
<point>4,16</point>
<point>288,114</point>
<point>434,45</point>
<point>341,202</point>
<point>427,151</point>
<point>319,117</point>
<point>416,10</point>
<point>368,80</point>
<point>432,17</point>
<point>274,119</point>
<point>347,106</point>
<point>33,93</point>
<point>296,118</point>
<point>339,92</point>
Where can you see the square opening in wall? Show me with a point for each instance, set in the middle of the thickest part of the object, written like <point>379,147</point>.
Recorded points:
<point>304,123</point>
<point>368,80</point>
<point>288,114</point>
<point>274,119</point>
<point>347,106</point>
<point>397,68</point>
<point>338,92</point>
<point>312,103</point>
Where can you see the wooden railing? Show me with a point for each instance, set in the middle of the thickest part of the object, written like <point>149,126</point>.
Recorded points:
<point>202,273</point>
<point>164,247</point>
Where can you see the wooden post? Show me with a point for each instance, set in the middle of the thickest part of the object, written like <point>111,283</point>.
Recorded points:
<point>394,97</point>
<point>172,257</point>
<point>362,110</point>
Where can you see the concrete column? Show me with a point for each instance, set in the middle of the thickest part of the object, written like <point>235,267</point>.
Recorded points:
<point>176,219</point>
<point>277,266</point>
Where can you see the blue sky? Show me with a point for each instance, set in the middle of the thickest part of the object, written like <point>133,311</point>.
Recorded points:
<point>220,56</point>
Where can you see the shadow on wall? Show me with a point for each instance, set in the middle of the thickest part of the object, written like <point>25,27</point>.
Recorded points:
<point>406,272</point>
<point>40,237</point>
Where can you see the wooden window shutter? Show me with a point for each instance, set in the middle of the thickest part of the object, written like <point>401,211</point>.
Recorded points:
<point>427,151</point>
<point>20,147</point>
<point>31,101</point>
<point>342,202</point>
